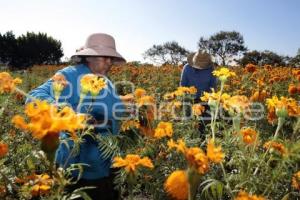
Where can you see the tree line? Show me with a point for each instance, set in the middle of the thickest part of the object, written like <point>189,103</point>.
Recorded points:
<point>226,47</point>
<point>29,49</point>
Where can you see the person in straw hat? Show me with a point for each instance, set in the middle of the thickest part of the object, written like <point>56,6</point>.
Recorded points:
<point>198,73</point>
<point>95,57</point>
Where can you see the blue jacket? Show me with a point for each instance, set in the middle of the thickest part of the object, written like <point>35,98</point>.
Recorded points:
<point>202,79</point>
<point>107,106</point>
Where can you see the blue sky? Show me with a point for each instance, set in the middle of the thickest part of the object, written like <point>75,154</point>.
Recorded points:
<point>138,24</point>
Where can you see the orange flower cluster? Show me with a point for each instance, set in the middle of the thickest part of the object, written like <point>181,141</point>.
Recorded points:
<point>7,83</point>
<point>250,68</point>
<point>296,181</point>
<point>283,104</point>
<point>276,146</point>
<point>196,158</point>
<point>3,149</point>
<point>132,162</point>
<point>38,184</point>
<point>46,121</point>
<point>164,129</point>
<point>293,89</point>
<point>245,196</point>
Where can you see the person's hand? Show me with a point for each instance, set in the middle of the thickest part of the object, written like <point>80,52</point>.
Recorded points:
<point>128,98</point>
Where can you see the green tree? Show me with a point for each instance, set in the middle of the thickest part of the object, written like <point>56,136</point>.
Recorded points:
<point>29,49</point>
<point>223,45</point>
<point>169,52</point>
<point>295,61</point>
<point>8,46</point>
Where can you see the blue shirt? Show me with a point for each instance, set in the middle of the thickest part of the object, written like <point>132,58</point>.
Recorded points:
<point>202,79</point>
<point>106,107</point>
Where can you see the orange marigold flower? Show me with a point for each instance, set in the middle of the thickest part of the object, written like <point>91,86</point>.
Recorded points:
<point>250,68</point>
<point>139,92</point>
<point>249,135</point>
<point>292,89</point>
<point>3,149</point>
<point>276,146</point>
<point>198,109</point>
<point>214,153</point>
<point>197,159</point>
<point>46,120</point>
<point>296,181</point>
<point>245,196</point>
<point>131,162</point>
<point>7,83</point>
<point>164,129</point>
<point>145,100</point>
<point>177,185</point>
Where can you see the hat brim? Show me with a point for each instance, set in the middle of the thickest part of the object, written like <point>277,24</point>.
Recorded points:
<point>105,52</point>
<point>192,64</point>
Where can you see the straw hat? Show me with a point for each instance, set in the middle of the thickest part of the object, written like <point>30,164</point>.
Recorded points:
<point>99,44</point>
<point>200,60</point>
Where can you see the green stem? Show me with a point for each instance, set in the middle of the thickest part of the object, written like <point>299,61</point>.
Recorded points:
<point>213,122</point>
<point>226,180</point>
<point>279,126</point>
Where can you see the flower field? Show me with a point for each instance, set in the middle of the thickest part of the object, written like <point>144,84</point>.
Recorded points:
<point>249,148</point>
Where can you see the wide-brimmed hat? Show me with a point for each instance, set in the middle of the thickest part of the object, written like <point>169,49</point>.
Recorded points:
<point>200,60</point>
<point>100,44</point>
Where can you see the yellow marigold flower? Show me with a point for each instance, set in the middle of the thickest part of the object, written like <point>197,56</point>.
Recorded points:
<point>236,103</point>
<point>185,90</point>
<point>3,149</point>
<point>127,125</point>
<point>214,154</point>
<point>38,184</point>
<point>245,196</point>
<point>198,109</point>
<point>131,162</point>
<point>7,83</point>
<point>139,92</point>
<point>42,185</point>
<point>283,106</point>
<point>179,146</point>
<point>145,100</point>
<point>223,73</point>
<point>296,181</point>
<point>46,120</point>
<point>169,96</point>
<point>275,146</point>
<point>214,96</point>
<point>249,135</point>
<point>163,129</point>
<point>92,83</point>
<point>177,185</point>
<point>59,83</point>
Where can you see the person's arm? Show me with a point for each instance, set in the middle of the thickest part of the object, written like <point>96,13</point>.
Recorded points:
<point>184,81</point>
<point>43,92</point>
